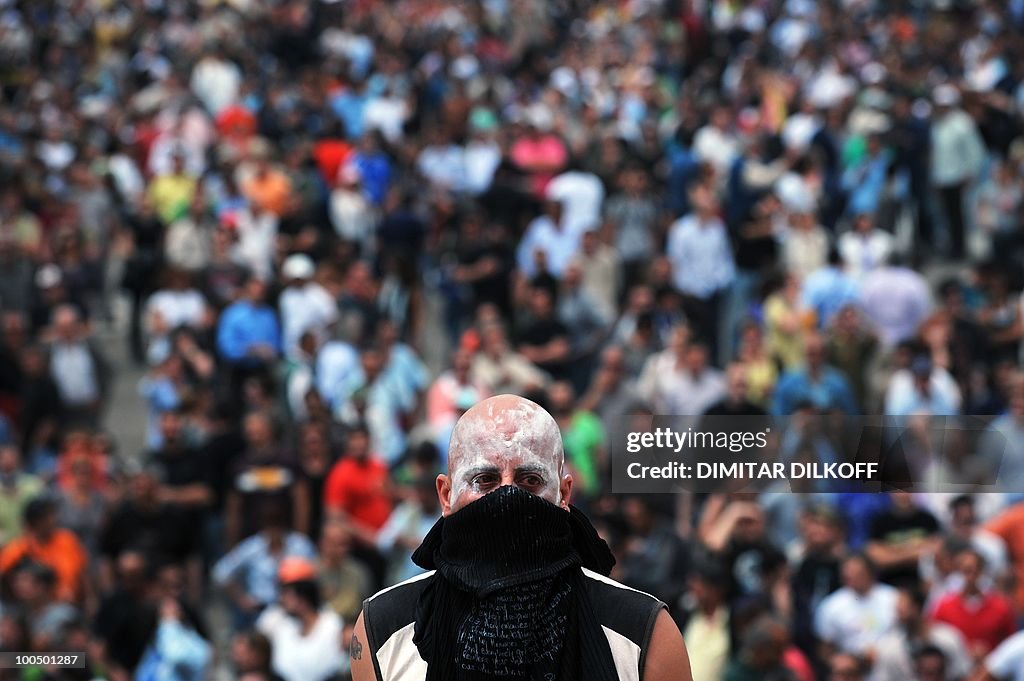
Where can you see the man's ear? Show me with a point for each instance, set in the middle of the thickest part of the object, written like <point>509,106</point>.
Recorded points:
<point>565,491</point>
<point>444,494</point>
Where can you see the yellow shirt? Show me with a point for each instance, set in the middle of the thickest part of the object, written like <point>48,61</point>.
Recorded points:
<point>788,347</point>
<point>172,195</point>
<point>707,642</point>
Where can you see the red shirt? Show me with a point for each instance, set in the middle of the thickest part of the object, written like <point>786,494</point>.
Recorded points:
<point>986,620</point>
<point>360,489</point>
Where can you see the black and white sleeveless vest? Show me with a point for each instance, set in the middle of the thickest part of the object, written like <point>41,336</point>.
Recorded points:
<point>626,615</point>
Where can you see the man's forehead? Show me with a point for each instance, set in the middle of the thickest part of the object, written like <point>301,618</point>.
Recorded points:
<point>500,431</point>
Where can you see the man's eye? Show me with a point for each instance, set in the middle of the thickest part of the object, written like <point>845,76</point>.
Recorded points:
<point>483,479</point>
<point>532,481</point>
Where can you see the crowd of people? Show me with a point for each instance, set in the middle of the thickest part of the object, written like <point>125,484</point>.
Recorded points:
<point>338,224</point>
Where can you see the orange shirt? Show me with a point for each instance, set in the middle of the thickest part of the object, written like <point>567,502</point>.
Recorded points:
<point>1009,525</point>
<point>360,489</point>
<point>63,554</point>
<point>270,192</point>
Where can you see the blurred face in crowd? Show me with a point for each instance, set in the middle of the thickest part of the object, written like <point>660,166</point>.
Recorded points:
<point>736,379</point>
<point>561,397</point>
<point>814,351</point>
<point>170,427</point>
<point>970,565</point>
<point>335,542</point>
<point>907,611</point>
<point>696,359</point>
<point>862,224</point>
<point>143,487</point>
<point>258,431</point>
<point>820,532</point>
<point>357,444</point>
<point>10,460</point>
<point>255,290</point>
<point>857,575</point>
<point>373,363</point>
<point>844,667</point>
<point>930,666</point>
<point>462,359</point>
<point>316,451</point>
<point>540,303</point>
<point>494,344</point>
<point>963,520</point>
<point>65,323</point>
<point>504,440</point>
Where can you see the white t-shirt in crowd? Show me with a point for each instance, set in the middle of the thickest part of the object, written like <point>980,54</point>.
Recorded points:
<point>1006,662</point>
<point>855,623</point>
<point>581,195</point>
<point>306,308</point>
<point>178,308</point>
<point>313,657</point>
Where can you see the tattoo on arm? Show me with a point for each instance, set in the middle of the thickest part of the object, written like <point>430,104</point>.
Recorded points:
<point>355,650</point>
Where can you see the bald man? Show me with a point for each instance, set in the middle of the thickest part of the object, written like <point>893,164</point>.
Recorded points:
<point>516,583</point>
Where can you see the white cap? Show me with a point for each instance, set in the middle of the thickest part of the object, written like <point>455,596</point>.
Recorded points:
<point>298,266</point>
<point>946,95</point>
<point>48,276</point>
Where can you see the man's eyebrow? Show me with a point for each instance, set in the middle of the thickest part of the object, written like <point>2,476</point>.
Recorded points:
<point>476,470</point>
<point>531,468</point>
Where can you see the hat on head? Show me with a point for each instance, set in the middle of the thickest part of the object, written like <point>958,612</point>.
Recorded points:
<point>298,266</point>
<point>48,276</point>
<point>294,569</point>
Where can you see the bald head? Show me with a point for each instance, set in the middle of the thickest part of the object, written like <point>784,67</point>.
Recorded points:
<point>504,440</point>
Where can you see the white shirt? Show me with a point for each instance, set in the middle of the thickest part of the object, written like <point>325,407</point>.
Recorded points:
<point>958,151</point>
<point>863,253</point>
<point>178,308</point>
<point>671,389</point>
<point>856,623</point>
<point>896,300</point>
<point>305,308</point>
<point>386,114</point>
<point>902,398</point>
<point>716,147</point>
<point>337,370</point>
<point>581,195</point>
<point>559,245</point>
<point>1006,662</point>
<point>216,83</point>
<point>256,239</point>
<point>482,159</point>
<point>443,165</point>
<point>352,216</point>
<point>74,373</point>
<point>893,661</point>
<point>313,657</point>
<point>701,256</point>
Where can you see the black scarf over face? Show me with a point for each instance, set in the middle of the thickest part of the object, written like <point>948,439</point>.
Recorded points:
<point>508,600</point>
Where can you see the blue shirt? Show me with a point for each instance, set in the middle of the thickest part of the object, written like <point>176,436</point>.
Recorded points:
<point>829,290</point>
<point>375,173</point>
<point>254,567</point>
<point>243,326</point>
<point>830,391</point>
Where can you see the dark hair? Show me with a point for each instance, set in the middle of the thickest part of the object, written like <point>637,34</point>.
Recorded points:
<point>260,645</point>
<point>863,558</point>
<point>38,510</point>
<point>916,595</point>
<point>928,650</point>
<point>961,500</point>
<point>307,590</point>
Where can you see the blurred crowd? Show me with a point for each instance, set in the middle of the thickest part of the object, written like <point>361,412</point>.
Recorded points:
<point>338,224</point>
